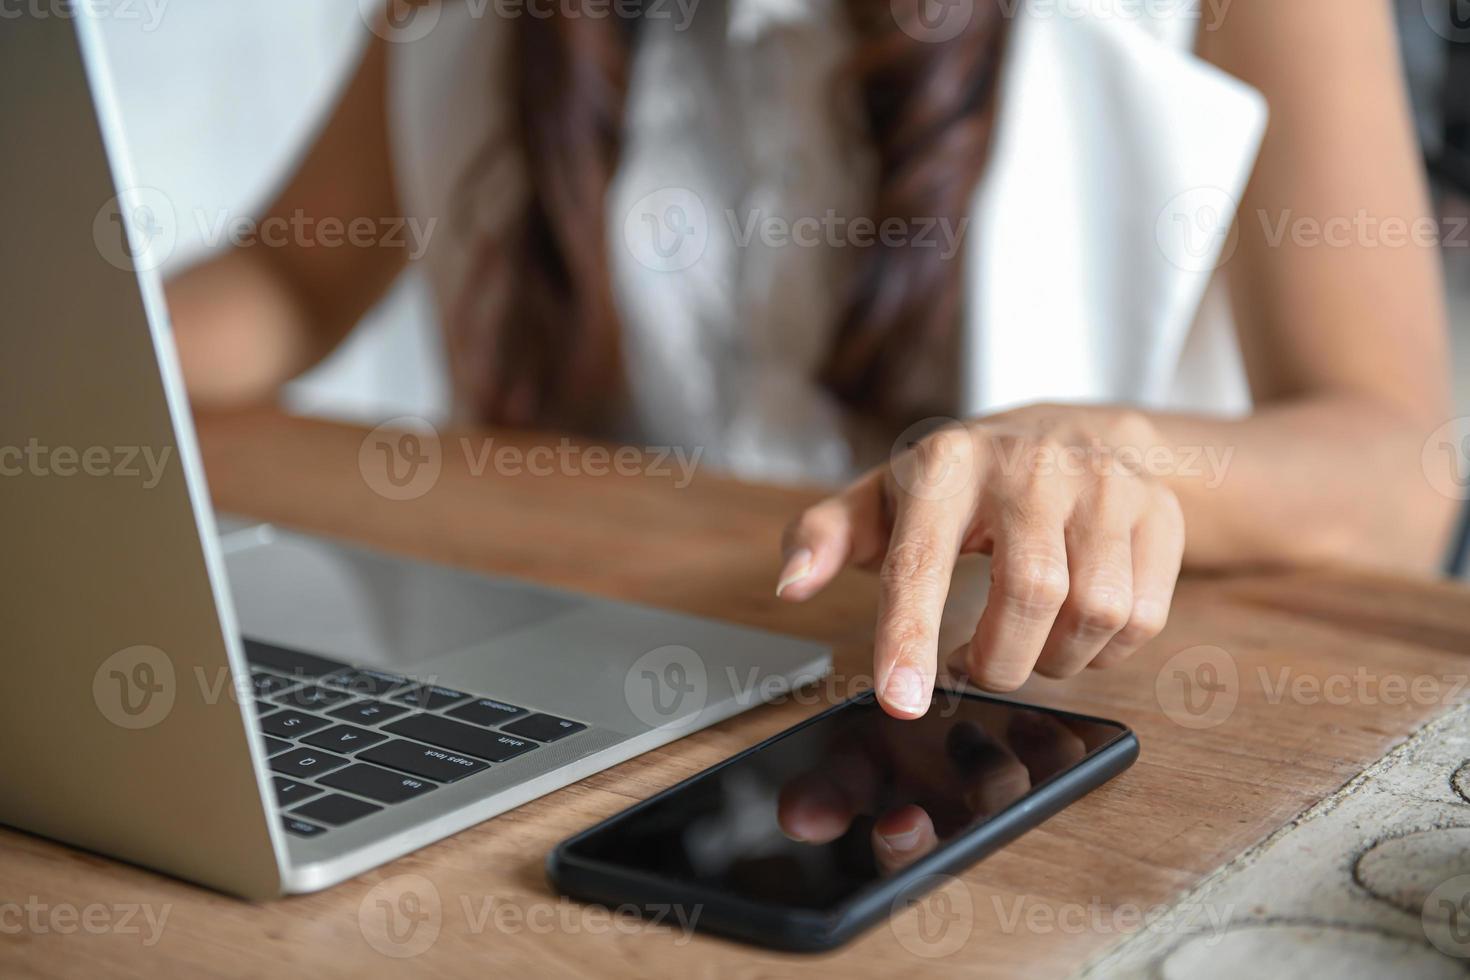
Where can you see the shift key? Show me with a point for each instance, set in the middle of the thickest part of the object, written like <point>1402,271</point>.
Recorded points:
<point>439,765</point>
<point>482,744</point>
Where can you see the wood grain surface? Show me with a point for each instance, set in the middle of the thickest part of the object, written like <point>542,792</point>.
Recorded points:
<point>1306,677</point>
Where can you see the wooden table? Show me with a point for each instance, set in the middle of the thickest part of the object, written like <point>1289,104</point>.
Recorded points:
<point>1352,647</point>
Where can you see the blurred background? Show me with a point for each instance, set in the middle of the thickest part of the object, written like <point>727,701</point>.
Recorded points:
<point>219,96</point>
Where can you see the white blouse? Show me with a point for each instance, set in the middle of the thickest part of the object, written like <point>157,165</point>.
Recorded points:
<point>1095,230</point>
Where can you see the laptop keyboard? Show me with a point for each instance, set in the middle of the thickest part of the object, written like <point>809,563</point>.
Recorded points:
<point>346,742</point>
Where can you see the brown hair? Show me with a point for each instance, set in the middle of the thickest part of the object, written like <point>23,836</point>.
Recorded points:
<point>549,351</point>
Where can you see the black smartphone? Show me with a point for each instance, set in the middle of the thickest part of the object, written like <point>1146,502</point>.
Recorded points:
<point>804,840</point>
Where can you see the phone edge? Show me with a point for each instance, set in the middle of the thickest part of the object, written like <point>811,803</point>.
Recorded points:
<point>805,931</point>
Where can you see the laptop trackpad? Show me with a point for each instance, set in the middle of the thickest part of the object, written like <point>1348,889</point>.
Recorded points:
<point>368,608</point>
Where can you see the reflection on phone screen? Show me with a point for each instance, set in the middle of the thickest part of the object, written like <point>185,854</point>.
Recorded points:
<point>817,815</point>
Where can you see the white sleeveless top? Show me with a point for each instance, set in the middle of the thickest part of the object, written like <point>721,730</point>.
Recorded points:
<point>1103,211</point>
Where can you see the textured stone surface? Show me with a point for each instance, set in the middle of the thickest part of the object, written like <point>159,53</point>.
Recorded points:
<point>1372,882</point>
<point>1304,950</point>
<point>1404,870</point>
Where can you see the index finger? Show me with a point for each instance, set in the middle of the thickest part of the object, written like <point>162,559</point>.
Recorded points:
<point>913,586</point>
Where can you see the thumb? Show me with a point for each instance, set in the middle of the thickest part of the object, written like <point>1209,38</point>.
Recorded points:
<point>845,528</point>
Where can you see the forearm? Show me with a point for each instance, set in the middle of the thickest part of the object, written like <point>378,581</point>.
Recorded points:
<point>1343,339</point>
<point>240,330</point>
<point>1330,478</point>
<point>256,316</point>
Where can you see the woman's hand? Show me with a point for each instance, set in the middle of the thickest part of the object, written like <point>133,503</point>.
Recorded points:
<point>1086,540</point>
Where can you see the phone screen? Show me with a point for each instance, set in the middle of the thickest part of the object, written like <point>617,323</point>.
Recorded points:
<point>816,815</point>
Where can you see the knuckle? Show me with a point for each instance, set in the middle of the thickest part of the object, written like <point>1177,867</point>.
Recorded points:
<point>948,443</point>
<point>1103,610</point>
<point>1131,427</point>
<point>910,565</point>
<point>1049,442</point>
<point>1033,583</point>
<point>941,464</point>
<point>1146,621</point>
<point>1049,487</point>
<point>1034,484</point>
<point>1006,446</point>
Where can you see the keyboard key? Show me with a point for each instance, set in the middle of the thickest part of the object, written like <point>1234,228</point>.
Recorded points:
<point>344,738</point>
<point>364,682</point>
<point>314,697</point>
<point>289,661</point>
<point>289,791</point>
<point>275,746</point>
<point>301,828</point>
<point>369,712</point>
<point>307,762</point>
<point>424,760</point>
<point>291,724</point>
<point>486,711</point>
<point>544,728</point>
<point>430,698</point>
<point>335,810</point>
<point>267,684</point>
<point>263,708</point>
<point>461,738</point>
<point>378,784</point>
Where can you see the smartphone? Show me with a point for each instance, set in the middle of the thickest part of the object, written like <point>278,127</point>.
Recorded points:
<point>787,845</point>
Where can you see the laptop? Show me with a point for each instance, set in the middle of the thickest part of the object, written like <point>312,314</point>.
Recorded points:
<point>244,706</point>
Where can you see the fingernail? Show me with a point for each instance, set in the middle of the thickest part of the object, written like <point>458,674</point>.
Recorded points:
<point>905,689</point>
<point>902,842</point>
<point>797,567</point>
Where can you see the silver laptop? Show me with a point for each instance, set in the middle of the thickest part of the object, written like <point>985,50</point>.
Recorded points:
<point>241,705</point>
